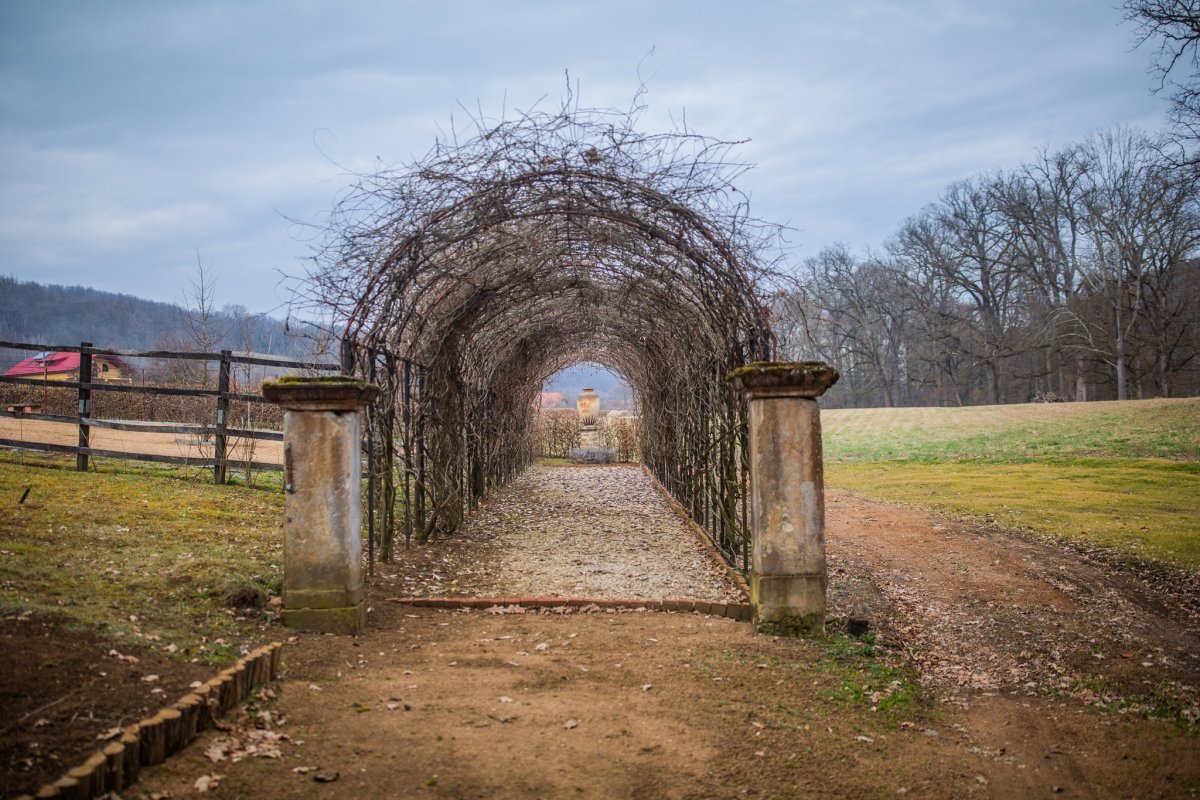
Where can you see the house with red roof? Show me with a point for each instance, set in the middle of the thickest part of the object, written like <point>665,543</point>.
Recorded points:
<point>65,367</point>
<point>552,400</point>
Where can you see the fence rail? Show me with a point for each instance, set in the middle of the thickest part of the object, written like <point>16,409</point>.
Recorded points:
<point>402,410</point>
<point>219,431</point>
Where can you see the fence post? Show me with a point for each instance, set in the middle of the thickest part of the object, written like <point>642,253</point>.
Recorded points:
<point>85,406</point>
<point>220,441</point>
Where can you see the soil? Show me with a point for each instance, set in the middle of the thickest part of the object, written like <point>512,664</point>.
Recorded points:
<point>62,689</point>
<point>997,666</point>
<point>162,444</point>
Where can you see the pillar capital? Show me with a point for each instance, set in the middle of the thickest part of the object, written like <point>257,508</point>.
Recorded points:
<point>340,393</point>
<point>763,379</point>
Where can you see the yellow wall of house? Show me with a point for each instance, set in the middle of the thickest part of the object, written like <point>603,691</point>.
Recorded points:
<point>99,374</point>
<point>113,373</point>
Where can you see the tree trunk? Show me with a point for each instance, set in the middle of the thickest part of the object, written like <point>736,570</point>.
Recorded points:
<point>1122,377</point>
<point>1164,376</point>
<point>993,373</point>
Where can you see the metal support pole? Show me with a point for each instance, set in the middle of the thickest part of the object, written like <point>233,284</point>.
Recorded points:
<point>85,405</point>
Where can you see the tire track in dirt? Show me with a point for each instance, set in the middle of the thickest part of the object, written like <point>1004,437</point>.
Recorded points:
<point>989,610</point>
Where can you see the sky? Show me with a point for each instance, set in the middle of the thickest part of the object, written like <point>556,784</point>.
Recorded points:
<point>140,138</point>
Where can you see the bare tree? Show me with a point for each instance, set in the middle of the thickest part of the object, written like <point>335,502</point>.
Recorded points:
<point>1142,224</point>
<point>869,306</point>
<point>206,327</point>
<point>1042,204</point>
<point>1175,26</point>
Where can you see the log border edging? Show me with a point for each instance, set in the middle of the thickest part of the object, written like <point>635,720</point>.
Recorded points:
<point>741,612</point>
<point>152,740</point>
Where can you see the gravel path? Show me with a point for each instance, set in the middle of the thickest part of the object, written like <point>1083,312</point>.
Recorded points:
<point>602,532</point>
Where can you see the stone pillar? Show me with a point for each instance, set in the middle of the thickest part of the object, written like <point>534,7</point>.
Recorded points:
<point>787,494</point>
<point>322,539</point>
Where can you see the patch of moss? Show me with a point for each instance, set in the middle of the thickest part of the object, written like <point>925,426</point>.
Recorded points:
<point>323,380</point>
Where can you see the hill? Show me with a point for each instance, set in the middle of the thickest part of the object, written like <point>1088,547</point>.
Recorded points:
<point>614,393</point>
<point>49,314</point>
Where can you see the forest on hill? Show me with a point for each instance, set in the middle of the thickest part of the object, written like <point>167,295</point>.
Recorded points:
<point>64,315</point>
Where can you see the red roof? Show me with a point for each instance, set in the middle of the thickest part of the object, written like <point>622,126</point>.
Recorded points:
<point>52,364</point>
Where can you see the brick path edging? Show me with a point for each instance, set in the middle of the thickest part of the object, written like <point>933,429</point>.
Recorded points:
<point>151,741</point>
<point>741,612</point>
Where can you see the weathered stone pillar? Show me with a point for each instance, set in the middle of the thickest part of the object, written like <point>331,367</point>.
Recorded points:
<point>322,540</point>
<point>787,494</point>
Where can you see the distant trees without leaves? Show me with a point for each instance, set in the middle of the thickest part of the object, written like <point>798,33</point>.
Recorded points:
<point>1072,276</point>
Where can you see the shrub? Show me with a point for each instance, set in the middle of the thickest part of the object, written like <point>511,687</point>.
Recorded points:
<point>621,434</point>
<point>555,432</point>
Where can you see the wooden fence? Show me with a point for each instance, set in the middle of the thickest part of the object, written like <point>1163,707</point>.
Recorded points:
<point>220,431</point>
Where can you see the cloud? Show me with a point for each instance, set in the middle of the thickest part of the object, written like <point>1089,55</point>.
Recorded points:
<point>135,133</point>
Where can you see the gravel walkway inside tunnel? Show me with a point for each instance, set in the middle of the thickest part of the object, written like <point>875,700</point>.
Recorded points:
<point>602,532</point>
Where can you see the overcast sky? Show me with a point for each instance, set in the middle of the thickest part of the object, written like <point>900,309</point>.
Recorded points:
<point>136,135</point>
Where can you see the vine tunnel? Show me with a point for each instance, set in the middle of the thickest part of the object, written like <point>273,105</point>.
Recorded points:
<point>466,279</point>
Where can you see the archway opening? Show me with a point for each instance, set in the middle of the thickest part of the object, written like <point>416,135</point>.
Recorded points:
<point>553,240</point>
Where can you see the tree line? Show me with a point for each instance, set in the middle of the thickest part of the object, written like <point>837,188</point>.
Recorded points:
<point>1073,276</point>
<point>50,314</point>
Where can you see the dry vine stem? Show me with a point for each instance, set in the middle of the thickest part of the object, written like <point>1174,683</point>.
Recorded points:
<point>541,242</point>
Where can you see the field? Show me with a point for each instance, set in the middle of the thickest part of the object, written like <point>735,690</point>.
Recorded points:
<point>139,552</point>
<point>1124,476</point>
<point>121,586</point>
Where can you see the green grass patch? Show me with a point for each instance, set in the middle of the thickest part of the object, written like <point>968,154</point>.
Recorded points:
<point>1145,507</point>
<point>138,553</point>
<point>846,673</point>
<point>1125,475</point>
<point>1131,429</point>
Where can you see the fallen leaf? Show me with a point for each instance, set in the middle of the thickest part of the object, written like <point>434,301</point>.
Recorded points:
<point>206,782</point>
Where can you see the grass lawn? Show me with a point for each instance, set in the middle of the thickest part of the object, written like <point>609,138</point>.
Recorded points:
<point>1122,475</point>
<point>138,551</point>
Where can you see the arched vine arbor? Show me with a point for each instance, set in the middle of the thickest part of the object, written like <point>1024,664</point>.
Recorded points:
<point>557,238</point>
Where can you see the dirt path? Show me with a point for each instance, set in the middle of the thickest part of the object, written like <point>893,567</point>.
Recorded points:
<point>1005,668</point>
<point>163,444</point>
<point>990,611</point>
